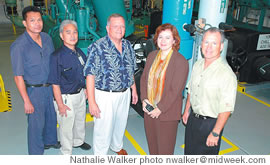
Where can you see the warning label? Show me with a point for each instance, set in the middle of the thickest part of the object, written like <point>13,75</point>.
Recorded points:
<point>263,42</point>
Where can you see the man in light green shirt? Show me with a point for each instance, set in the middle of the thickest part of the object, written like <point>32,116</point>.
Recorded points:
<point>211,97</point>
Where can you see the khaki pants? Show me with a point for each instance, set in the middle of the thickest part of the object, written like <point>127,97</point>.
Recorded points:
<point>72,127</point>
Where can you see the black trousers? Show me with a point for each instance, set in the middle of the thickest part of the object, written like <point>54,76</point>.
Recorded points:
<point>197,131</point>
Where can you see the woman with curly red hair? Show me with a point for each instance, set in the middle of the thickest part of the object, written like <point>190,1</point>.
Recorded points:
<point>162,84</point>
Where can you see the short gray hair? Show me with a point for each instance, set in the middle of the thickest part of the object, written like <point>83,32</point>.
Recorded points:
<point>115,15</point>
<point>67,22</point>
<point>215,30</point>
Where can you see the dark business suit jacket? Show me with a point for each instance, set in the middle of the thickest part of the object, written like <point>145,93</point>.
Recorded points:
<point>175,81</point>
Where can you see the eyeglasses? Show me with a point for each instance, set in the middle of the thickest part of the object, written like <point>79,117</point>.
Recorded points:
<point>118,26</point>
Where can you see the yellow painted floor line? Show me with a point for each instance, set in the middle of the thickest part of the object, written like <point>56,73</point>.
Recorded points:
<point>222,152</point>
<point>89,118</point>
<point>7,41</point>
<point>134,143</point>
<point>232,149</point>
<point>254,98</point>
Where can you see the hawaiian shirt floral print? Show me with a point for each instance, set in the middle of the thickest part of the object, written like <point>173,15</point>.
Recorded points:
<point>112,70</point>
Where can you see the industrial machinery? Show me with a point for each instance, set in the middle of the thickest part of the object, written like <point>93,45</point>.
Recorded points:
<point>206,19</point>
<point>248,43</point>
<point>180,17</point>
<point>247,47</point>
<point>90,15</point>
<point>250,55</point>
<point>249,14</point>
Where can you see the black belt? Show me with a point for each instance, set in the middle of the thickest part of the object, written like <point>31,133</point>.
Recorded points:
<point>201,116</point>
<point>37,85</point>
<point>106,90</point>
<point>76,92</point>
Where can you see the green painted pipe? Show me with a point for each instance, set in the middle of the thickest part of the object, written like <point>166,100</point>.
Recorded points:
<point>48,23</point>
<point>64,9</point>
<point>96,36</point>
<point>11,3</point>
<point>81,21</point>
<point>17,20</point>
<point>105,8</point>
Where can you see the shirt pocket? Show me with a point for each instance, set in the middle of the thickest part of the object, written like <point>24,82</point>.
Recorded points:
<point>67,73</point>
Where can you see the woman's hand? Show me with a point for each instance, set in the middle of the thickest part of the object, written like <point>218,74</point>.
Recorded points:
<point>144,105</point>
<point>155,113</point>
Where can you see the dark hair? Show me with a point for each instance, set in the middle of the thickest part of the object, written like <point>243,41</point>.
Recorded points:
<point>215,30</point>
<point>30,9</point>
<point>175,35</point>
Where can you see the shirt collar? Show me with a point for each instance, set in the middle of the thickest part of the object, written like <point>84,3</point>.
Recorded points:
<point>214,64</point>
<point>30,38</point>
<point>68,50</point>
<point>218,60</point>
<point>111,43</point>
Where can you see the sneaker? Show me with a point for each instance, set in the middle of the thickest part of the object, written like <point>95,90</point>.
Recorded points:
<point>55,146</point>
<point>122,152</point>
<point>84,146</point>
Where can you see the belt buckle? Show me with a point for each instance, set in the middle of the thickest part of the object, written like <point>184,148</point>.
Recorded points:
<point>197,115</point>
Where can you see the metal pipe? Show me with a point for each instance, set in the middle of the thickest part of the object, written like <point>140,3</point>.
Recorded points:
<point>14,28</point>
<point>261,20</point>
<point>179,13</point>
<point>214,11</point>
<point>87,24</point>
<point>130,10</point>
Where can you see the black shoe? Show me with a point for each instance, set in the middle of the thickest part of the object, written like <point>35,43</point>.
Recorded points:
<point>55,146</point>
<point>84,146</point>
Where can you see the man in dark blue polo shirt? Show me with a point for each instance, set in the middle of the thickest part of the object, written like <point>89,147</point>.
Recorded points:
<point>30,56</point>
<point>66,75</point>
<point>110,72</point>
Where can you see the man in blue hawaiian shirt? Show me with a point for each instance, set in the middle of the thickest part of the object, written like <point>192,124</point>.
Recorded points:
<point>109,72</point>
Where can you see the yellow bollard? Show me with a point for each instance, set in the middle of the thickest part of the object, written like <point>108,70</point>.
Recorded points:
<point>13,26</point>
<point>46,5</point>
<point>5,99</point>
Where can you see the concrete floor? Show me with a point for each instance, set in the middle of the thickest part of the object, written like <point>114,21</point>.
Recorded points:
<point>247,131</point>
